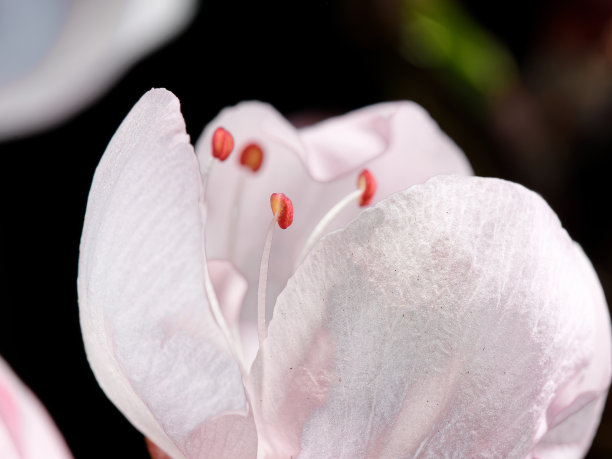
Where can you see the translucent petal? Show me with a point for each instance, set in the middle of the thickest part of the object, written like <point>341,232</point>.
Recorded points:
<point>454,316</point>
<point>230,287</point>
<point>149,333</point>
<point>227,437</point>
<point>402,130</point>
<point>83,47</point>
<point>315,167</point>
<point>26,431</point>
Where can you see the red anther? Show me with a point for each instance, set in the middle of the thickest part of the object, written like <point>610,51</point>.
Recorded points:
<point>252,156</point>
<point>367,183</point>
<point>222,144</point>
<point>282,208</point>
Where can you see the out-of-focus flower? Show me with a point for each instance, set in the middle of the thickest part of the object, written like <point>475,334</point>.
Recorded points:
<point>57,56</point>
<point>26,431</point>
<point>456,315</point>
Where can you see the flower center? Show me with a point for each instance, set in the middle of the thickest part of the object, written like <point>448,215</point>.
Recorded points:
<point>251,157</point>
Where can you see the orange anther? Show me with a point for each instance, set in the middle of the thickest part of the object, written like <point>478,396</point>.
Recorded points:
<point>252,156</point>
<point>222,144</point>
<point>282,208</point>
<point>366,183</point>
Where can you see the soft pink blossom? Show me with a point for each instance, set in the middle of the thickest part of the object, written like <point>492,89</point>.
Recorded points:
<point>453,317</point>
<point>26,430</point>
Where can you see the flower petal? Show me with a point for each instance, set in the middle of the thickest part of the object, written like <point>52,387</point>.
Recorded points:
<point>149,334</point>
<point>227,437</point>
<point>97,42</point>
<point>401,130</point>
<point>26,431</point>
<point>230,287</point>
<point>454,316</point>
<point>315,167</point>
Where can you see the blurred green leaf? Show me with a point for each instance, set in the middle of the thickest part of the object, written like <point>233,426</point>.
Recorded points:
<point>440,35</point>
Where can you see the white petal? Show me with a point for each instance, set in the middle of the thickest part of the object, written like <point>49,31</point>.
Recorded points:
<point>227,437</point>
<point>230,287</point>
<point>403,131</point>
<point>455,316</point>
<point>149,334</point>
<point>96,44</point>
<point>397,141</point>
<point>26,431</point>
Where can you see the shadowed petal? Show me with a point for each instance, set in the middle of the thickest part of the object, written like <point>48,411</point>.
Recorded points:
<point>454,316</point>
<point>26,431</point>
<point>92,44</point>
<point>414,148</point>
<point>149,333</point>
<point>227,437</point>
<point>230,287</point>
<point>315,167</point>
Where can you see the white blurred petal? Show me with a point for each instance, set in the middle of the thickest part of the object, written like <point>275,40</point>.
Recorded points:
<point>62,56</point>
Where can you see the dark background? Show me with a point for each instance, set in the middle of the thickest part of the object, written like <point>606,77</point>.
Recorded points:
<point>322,57</point>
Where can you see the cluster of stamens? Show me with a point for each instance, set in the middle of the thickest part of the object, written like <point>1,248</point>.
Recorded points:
<point>251,157</point>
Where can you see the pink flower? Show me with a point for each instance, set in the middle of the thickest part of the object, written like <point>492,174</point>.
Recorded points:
<point>452,317</point>
<point>26,431</point>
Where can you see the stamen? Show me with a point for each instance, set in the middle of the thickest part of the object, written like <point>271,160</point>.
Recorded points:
<point>366,184</point>
<point>282,208</point>
<point>251,158</point>
<point>213,301</point>
<point>222,146</point>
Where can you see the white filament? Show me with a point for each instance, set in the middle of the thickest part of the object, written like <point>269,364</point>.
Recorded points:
<point>234,213</point>
<point>325,221</point>
<point>234,345</point>
<point>263,280</point>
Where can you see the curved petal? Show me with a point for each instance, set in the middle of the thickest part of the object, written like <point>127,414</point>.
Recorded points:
<point>573,415</point>
<point>315,167</point>
<point>148,330</point>
<point>227,437</point>
<point>402,131</point>
<point>454,316</point>
<point>230,287</point>
<point>96,42</point>
<point>26,431</point>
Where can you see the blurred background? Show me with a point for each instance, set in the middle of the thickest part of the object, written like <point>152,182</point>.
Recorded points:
<point>523,87</point>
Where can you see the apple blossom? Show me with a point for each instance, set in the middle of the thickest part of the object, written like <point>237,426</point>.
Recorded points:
<point>453,317</point>
<point>26,431</point>
<point>59,55</point>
